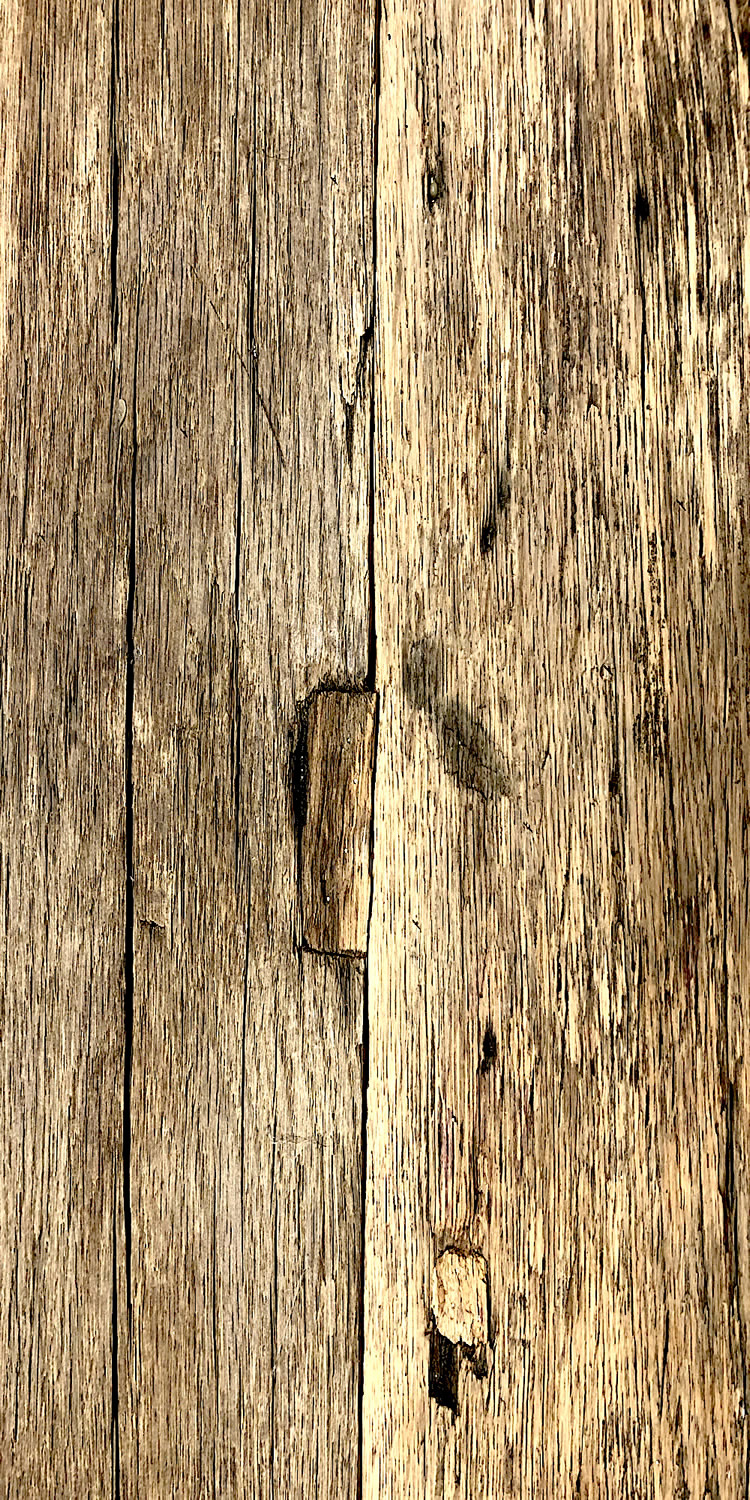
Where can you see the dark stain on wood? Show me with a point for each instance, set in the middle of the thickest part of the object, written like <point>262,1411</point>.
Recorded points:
<point>497,508</point>
<point>469,753</point>
<point>489,1049</point>
<point>443,1373</point>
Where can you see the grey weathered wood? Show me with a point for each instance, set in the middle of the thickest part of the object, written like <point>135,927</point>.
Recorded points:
<point>245,288</point>
<point>558,962</point>
<point>62,813</point>
<point>336,770</point>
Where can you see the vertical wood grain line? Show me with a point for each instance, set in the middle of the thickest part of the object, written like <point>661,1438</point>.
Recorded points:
<point>115,317</point>
<point>370,683</point>
<point>129,862</point>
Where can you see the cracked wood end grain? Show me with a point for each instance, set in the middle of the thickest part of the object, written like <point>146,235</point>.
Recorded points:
<point>340,757</point>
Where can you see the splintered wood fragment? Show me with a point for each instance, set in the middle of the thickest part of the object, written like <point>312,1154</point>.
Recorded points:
<point>459,1297</point>
<point>340,756</point>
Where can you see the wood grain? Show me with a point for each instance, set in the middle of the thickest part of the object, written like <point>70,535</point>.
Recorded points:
<point>62,808</point>
<point>558,962</point>
<point>551,1019</point>
<point>245,289</point>
<point>337,766</point>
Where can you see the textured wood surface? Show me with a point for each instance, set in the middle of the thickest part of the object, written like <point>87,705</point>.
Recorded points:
<point>558,959</point>
<point>336,770</point>
<point>62,807</point>
<point>192,265</point>
<point>403,349</point>
<point>245,285</point>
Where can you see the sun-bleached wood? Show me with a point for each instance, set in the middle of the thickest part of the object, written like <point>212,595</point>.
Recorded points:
<point>335,845</point>
<point>558,960</point>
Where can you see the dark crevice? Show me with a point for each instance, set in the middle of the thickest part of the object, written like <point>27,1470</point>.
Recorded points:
<point>300,769</point>
<point>641,210</point>
<point>370,681</point>
<point>368,335</point>
<point>129,861</point>
<point>115,233</point>
<point>443,1372</point>
<point>372,633</point>
<point>115,324</point>
<point>237,707</point>
<point>252,366</point>
<point>349,429</point>
<point>729,1193</point>
<point>114,170</point>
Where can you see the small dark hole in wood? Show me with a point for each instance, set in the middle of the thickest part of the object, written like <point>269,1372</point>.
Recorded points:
<point>642,209</point>
<point>489,1048</point>
<point>349,430</point>
<point>443,1377</point>
<point>489,536</point>
<point>434,185</point>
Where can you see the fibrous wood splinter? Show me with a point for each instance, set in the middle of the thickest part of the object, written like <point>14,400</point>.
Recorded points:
<point>460,1297</point>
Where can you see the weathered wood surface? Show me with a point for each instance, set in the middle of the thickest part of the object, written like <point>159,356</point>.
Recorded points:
<point>557,1252</point>
<point>244,280</point>
<point>191,267</point>
<point>558,959</point>
<point>62,808</point>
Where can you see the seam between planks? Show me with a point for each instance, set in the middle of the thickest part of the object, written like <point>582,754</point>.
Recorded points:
<point>115,318</point>
<point>371,684</point>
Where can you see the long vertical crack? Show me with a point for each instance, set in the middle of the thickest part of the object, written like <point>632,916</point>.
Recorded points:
<point>729,1193</point>
<point>370,683</point>
<point>129,863</point>
<point>372,633</point>
<point>115,323</point>
<point>236,731</point>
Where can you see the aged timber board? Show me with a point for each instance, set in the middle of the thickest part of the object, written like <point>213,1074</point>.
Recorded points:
<point>62,709</point>
<point>245,149</point>
<point>187,312</point>
<point>556,1218</point>
<point>558,957</point>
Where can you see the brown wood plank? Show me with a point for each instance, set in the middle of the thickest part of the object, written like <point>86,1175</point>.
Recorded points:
<point>62,695</point>
<point>558,963</point>
<point>245,281</point>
